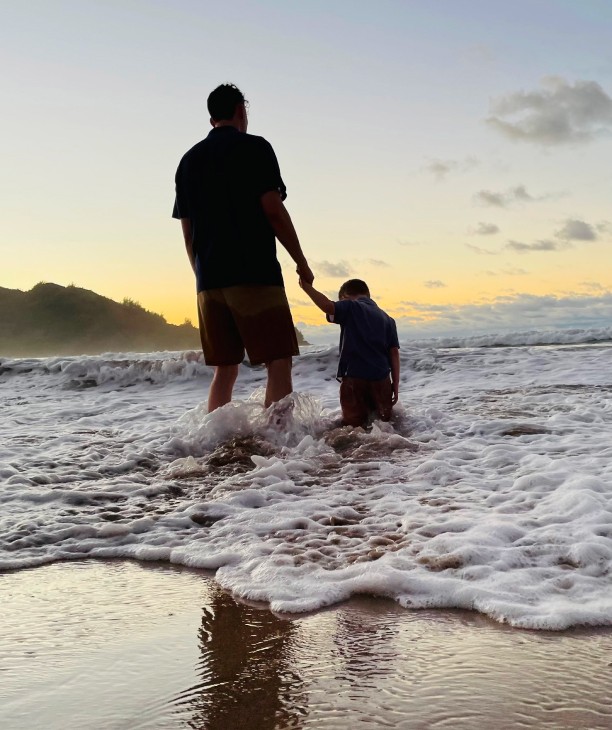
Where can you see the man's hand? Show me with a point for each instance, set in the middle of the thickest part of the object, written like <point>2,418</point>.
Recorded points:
<point>305,273</point>
<point>395,396</point>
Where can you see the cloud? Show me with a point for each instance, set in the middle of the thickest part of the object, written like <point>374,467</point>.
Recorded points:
<point>487,197</point>
<point>434,284</point>
<point>405,242</point>
<point>520,193</point>
<point>506,272</point>
<point>486,229</point>
<point>378,262</point>
<point>481,251</point>
<point>516,312</point>
<point>558,113</point>
<point>441,168</point>
<point>593,285</point>
<point>545,245</point>
<point>517,194</point>
<point>326,268</point>
<point>577,230</point>
<point>572,230</point>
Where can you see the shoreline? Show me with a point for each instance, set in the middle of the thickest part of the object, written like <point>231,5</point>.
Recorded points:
<point>119,644</point>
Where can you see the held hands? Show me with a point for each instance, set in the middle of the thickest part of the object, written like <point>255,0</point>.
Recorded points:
<point>305,273</point>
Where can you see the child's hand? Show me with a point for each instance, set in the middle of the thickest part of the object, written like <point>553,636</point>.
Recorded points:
<point>305,273</point>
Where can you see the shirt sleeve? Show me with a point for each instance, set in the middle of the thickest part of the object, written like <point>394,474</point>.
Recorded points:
<point>392,338</point>
<point>341,312</point>
<point>181,201</point>
<point>263,169</point>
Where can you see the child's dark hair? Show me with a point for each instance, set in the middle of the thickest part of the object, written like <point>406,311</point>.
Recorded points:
<point>222,102</point>
<point>354,288</point>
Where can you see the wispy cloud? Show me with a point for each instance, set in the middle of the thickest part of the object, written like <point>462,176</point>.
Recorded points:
<point>544,245</point>
<point>434,284</point>
<point>592,285</point>
<point>481,251</point>
<point>485,229</point>
<point>506,272</point>
<point>510,312</point>
<point>337,270</point>
<point>378,262</point>
<point>441,168</point>
<point>558,113</point>
<point>516,194</point>
<point>408,243</point>
<point>572,231</point>
<point>577,230</point>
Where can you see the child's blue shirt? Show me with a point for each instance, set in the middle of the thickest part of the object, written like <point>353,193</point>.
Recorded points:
<point>367,333</point>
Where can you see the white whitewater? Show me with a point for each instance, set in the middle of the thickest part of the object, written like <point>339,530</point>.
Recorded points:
<point>491,490</point>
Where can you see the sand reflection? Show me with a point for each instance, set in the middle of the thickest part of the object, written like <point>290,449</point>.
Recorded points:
<point>94,646</point>
<point>246,672</point>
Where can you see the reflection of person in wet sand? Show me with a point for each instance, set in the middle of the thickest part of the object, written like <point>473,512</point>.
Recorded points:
<point>364,641</point>
<point>247,680</point>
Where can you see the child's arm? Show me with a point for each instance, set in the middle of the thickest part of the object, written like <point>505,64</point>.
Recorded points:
<point>395,372</point>
<point>325,305</point>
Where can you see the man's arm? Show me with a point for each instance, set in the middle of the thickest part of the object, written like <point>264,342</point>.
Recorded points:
<point>325,305</point>
<point>282,225</point>
<point>188,236</point>
<point>395,372</point>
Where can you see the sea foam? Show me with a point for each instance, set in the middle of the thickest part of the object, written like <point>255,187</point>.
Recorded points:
<point>489,490</point>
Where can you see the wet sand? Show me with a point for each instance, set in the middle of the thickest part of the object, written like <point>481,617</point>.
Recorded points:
<point>124,646</point>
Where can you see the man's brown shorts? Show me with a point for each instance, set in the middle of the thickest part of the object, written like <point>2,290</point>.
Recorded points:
<point>361,398</point>
<point>255,318</point>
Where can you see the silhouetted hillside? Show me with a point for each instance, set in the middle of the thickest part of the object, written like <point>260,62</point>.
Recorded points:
<point>57,320</point>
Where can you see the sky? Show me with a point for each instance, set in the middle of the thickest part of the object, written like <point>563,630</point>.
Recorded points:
<point>455,154</point>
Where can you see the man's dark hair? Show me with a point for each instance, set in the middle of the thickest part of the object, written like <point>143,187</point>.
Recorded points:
<point>222,102</point>
<point>354,288</point>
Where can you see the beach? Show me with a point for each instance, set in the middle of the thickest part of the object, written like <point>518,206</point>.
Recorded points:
<point>100,645</point>
<point>164,567</point>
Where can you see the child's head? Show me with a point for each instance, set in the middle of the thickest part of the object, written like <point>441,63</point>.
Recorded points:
<point>353,288</point>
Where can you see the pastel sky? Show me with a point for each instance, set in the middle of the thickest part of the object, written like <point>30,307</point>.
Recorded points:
<point>454,153</point>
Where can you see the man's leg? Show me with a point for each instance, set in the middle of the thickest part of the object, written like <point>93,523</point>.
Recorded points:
<point>222,386</point>
<point>279,380</point>
<point>263,318</point>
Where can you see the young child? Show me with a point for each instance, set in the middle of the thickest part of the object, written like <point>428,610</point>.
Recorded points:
<point>369,351</point>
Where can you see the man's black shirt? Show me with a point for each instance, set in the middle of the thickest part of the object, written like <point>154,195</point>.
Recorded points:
<point>219,184</point>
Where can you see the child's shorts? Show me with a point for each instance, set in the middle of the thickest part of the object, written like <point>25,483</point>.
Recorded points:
<point>361,398</point>
<point>252,317</point>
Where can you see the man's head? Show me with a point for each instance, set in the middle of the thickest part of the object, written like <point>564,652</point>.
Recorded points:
<point>227,107</point>
<point>353,289</point>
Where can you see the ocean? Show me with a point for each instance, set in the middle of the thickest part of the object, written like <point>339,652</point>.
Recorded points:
<point>490,490</point>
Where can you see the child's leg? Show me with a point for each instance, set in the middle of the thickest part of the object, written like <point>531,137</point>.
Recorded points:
<point>381,392</point>
<point>353,394</point>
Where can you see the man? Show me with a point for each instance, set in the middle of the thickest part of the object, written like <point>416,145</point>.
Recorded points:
<point>229,194</point>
